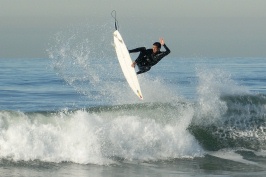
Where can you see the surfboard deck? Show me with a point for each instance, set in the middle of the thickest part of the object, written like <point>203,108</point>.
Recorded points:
<point>125,63</point>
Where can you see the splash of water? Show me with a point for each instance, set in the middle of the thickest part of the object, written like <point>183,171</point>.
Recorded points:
<point>81,56</point>
<point>97,137</point>
<point>213,84</point>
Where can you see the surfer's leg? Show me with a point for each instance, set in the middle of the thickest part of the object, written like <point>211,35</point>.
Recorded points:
<point>143,69</point>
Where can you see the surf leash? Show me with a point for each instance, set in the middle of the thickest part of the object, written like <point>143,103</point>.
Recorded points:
<point>113,14</point>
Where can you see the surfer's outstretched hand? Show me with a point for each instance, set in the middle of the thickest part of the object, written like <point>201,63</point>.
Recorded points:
<point>133,64</point>
<point>162,41</point>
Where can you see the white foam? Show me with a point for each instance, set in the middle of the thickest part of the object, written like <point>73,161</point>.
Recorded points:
<point>83,137</point>
<point>261,153</point>
<point>231,155</point>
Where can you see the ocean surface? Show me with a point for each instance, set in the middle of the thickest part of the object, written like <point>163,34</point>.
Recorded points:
<point>73,114</point>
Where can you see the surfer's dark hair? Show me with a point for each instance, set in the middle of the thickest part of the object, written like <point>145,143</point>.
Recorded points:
<point>158,44</point>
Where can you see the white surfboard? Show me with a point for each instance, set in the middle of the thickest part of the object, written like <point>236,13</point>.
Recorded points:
<point>125,63</point>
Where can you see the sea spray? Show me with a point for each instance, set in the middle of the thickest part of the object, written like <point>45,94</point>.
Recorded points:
<point>82,57</point>
<point>212,85</point>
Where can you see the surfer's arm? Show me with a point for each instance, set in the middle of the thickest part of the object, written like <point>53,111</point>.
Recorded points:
<point>140,49</point>
<point>158,57</point>
<point>162,54</point>
<point>167,50</point>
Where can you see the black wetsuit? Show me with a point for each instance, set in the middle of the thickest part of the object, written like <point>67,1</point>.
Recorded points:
<point>147,58</point>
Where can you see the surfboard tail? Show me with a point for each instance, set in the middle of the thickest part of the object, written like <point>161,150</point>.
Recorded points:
<point>139,94</point>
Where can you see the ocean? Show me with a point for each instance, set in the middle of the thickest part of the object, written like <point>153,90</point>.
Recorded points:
<point>73,114</point>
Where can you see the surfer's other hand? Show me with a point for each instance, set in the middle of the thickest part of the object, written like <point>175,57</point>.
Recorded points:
<point>133,64</point>
<point>161,41</point>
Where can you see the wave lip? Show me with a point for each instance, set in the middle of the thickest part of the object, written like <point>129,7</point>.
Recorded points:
<point>242,125</point>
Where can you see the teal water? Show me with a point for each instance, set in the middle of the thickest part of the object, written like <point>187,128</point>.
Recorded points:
<point>74,115</point>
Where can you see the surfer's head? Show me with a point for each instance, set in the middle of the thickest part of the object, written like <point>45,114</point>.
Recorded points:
<point>157,44</point>
<point>156,47</point>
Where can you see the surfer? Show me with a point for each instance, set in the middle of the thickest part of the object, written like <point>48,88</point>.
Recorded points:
<point>149,57</point>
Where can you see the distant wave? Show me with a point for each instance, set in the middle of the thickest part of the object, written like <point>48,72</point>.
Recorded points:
<point>243,125</point>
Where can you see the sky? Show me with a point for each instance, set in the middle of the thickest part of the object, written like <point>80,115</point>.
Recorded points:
<point>191,28</point>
